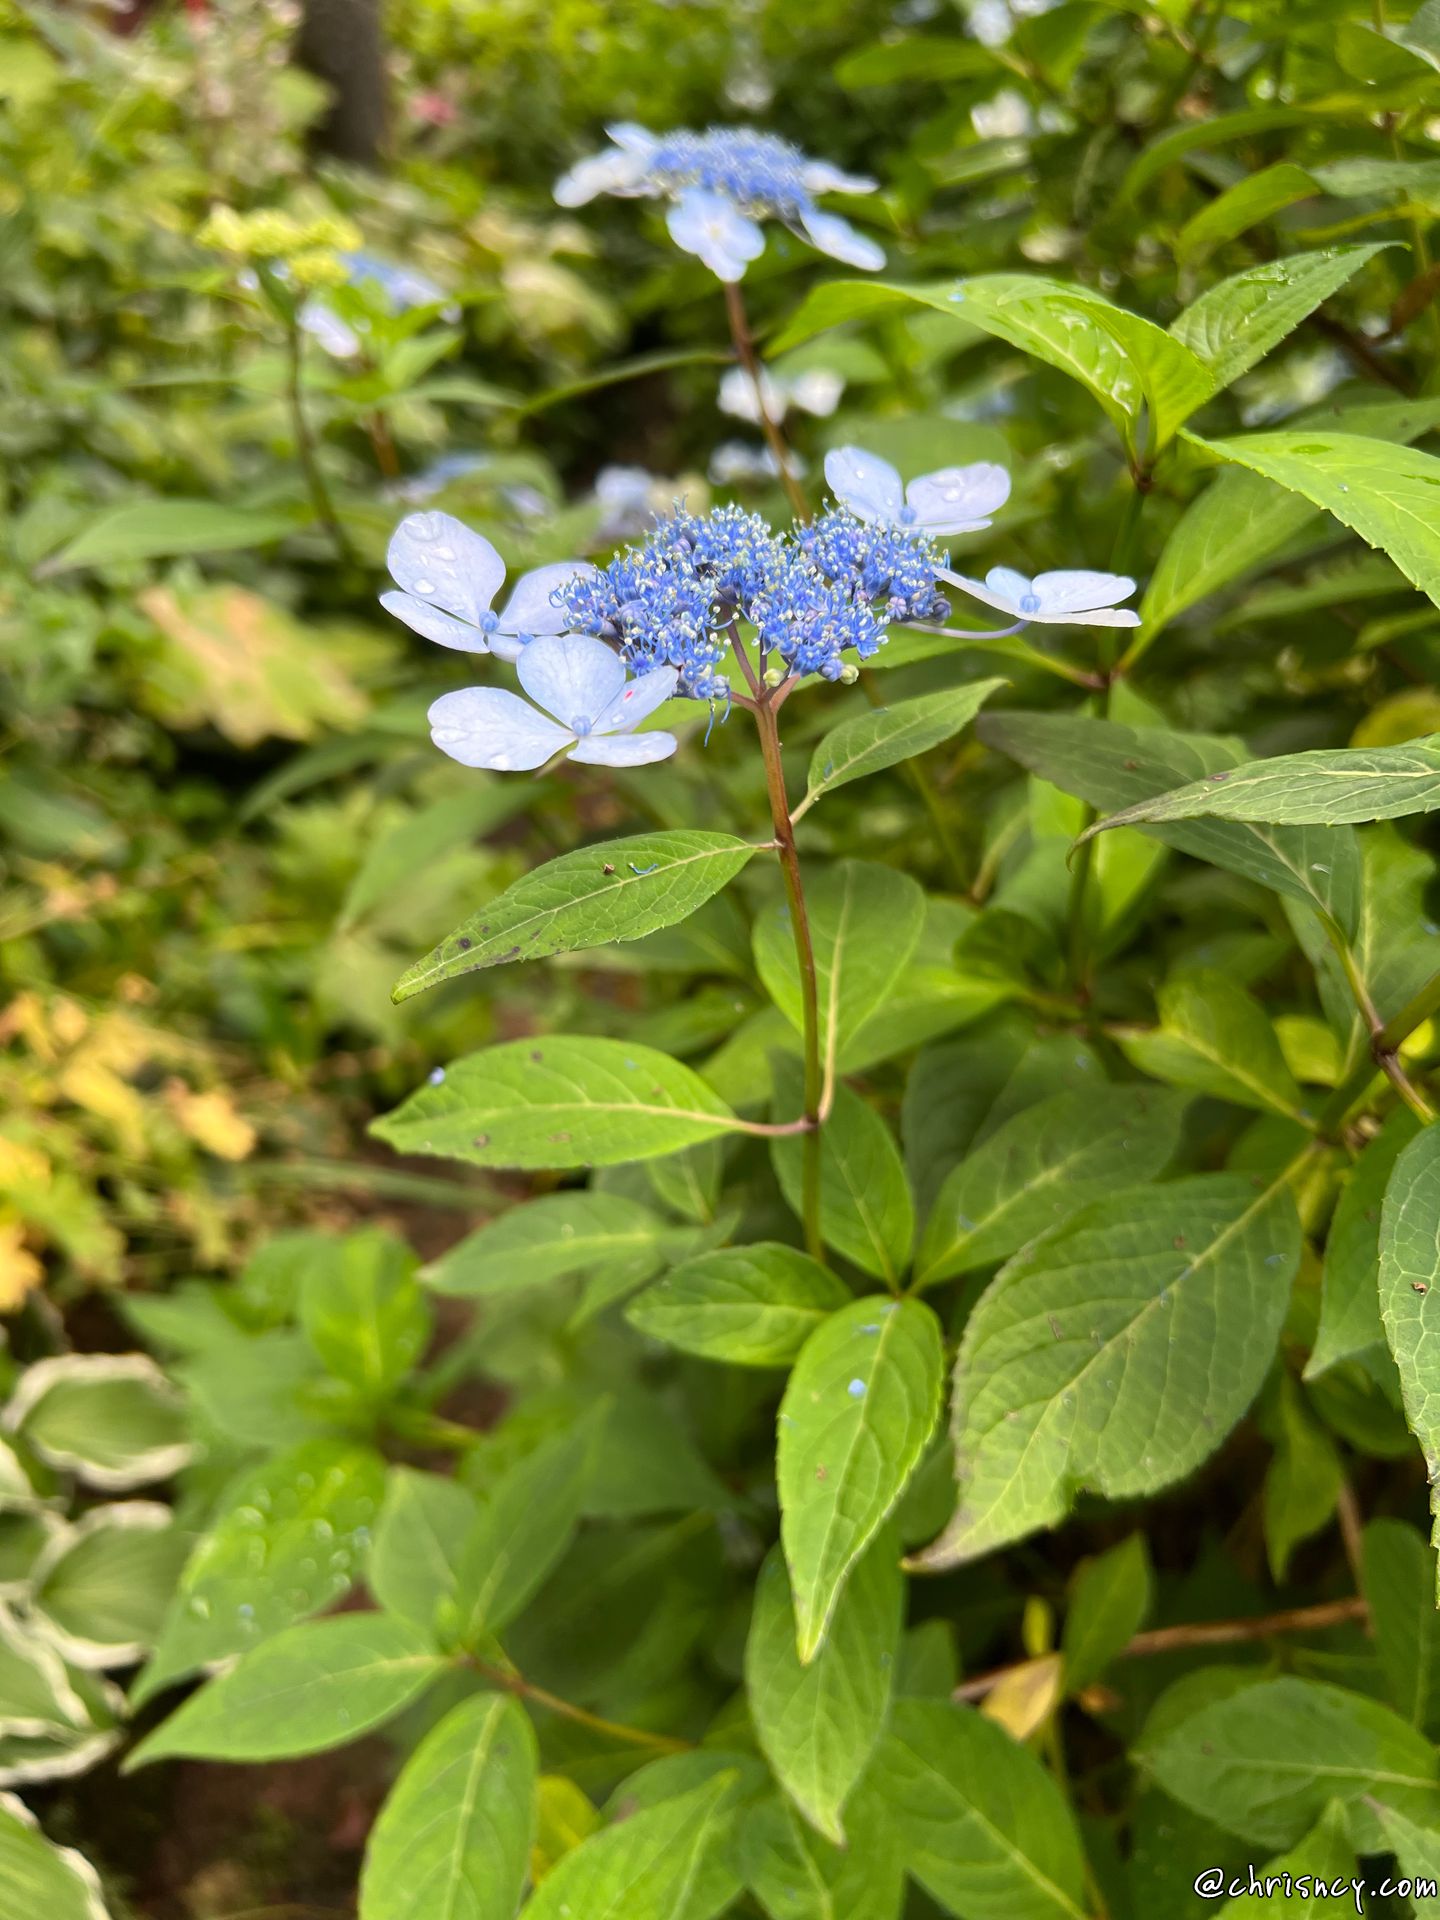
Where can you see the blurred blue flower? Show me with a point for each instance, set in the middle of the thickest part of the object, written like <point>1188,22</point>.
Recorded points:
<point>397,288</point>
<point>577,679</point>
<point>448,577</point>
<point>722,183</point>
<point>1067,598</point>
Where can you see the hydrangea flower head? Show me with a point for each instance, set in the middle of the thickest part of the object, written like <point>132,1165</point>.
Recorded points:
<point>721,184</point>
<point>1069,598</point>
<point>595,704</point>
<point>894,566</point>
<point>951,500</point>
<point>448,576</point>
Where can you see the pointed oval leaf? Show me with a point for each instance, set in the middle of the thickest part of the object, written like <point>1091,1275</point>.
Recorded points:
<point>887,735</point>
<point>1116,1353</point>
<point>985,1830</point>
<point>620,890</point>
<point>858,1410</point>
<point>361,1310</point>
<point>1235,324</point>
<point>37,1877</point>
<point>666,1862</point>
<point>560,1101</point>
<point>312,1687</point>
<point>866,1211</point>
<point>1042,1166</point>
<point>546,1239</point>
<point>1410,1294</point>
<point>752,1306</point>
<point>1216,1038</point>
<point>414,1569</point>
<point>818,1725</point>
<point>453,1838</point>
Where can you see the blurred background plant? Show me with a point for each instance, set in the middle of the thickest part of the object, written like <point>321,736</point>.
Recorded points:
<point>243,329</point>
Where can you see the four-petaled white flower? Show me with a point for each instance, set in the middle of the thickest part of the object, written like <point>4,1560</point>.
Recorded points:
<point>716,232</point>
<point>577,679</point>
<point>449,575</point>
<point>1075,598</point>
<point>951,500</point>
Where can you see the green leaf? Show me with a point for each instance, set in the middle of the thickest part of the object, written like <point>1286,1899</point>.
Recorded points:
<point>548,1239</point>
<point>113,1419</point>
<point>37,1877</point>
<point>1416,1847</point>
<point>1215,1037</point>
<point>817,1725</point>
<point>1264,1762</point>
<point>1325,1859</point>
<point>312,1687</point>
<point>1252,200</point>
<point>452,1841</point>
<point>1116,1353</point>
<point>362,1311</point>
<point>1387,494</point>
<point>666,1862</point>
<point>1349,1293</point>
<point>858,1410</point>
<point>1110,1600</point>
<point>1041,1167</point>
<point>1236,323</point>
<point>102,1590</point>
<point>619,890</point>
<point>37,1695</point>
<point>414,1569</point>
<point>159,529</point>
<point>1325,787</point>
<point>752,1306</point>
<point>522,1532</point>
<point>795,1875</point>
<point>866,1211</point>
<point>1410,1292</point>
<point>865,922</point>
<point>1242,518</point>
<point>985,1830</point>
<point>1303,1480</point>
<point>1399,1582</point>
<point>1112,766</point>
<point>287,1541</point>
<point>562,1101</point>
<point>429,834</point>
<point>887,735</point>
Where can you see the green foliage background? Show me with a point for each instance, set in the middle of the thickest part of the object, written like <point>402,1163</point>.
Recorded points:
<point>627,1523</point>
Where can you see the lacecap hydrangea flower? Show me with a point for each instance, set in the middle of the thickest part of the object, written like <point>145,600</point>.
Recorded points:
<point>448,576</point>
<point>1068,598</point>
<point>721,184</point>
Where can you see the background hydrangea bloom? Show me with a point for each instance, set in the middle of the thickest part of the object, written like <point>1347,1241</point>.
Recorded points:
<point>722,183</point>
<point>951,500</point>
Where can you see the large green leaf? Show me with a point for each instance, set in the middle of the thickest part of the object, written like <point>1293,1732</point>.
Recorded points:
<point>159,529</point>
<point>561,1101</point>
<point>1410,1293</point>
<point>1398,1575</point>
<point>887,735</point>
<point>547,1239</point>
<point>1344,786</point>
<point>817,1725</point>
<point>1387,494</point>
<point>1217,1038</point>
<point>453,1838</point>
<point>866,1211</point>
<point>1041,1167</point>
<point>37,1877</point>
<point>858,1411</point>
<point>1250,201</point>
<point>1264,1762</point>
<point>753,1306</point>
<point>420,1539</point>
<point>666,1862</point>
<point>795,1875</point>
<point>619,890</point>
<point>288,1540</point>
<point>362,1311</point>
<point>865,922</point>
<point>523,1530</point>
<point>1349,1290</point>
<point>1236,323</point>
<point>1241,517</point>
<point>1116,1353</point>
<point>985,1829</point>
<point>313,1686</point>
<point>1112,766</point>
<point>112,1418</point>
<point>101,1592</point>
<point>1111,1596</point>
